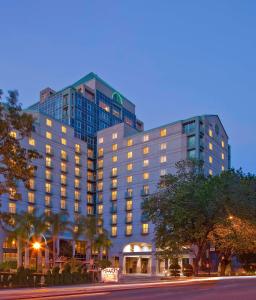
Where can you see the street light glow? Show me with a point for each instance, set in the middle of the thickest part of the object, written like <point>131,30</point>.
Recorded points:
<point>36,245</point>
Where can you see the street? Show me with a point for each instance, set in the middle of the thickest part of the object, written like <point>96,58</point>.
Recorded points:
<point>212,289</point>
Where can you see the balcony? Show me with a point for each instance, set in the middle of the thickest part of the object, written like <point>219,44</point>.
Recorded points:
<point>113,186</point>
<point>128,207</point>
<point>113,222</point>
<point>64,157</point>
<point>78,163</point>
<point>48,177</point>
<point>78,186</point>
<point>64,170</point>
<point>78,198</point>
<point>63,182</point>
<point>128,195</point>
<point>128,220</point>
<point>49,165</point>
<point>49,152</point>
<point>78,174</point>
<point>113,174</point>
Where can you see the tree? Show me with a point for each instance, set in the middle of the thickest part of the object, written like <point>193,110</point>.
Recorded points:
<point>15,160</point>
<point>90,232</point>
<point>188,206</point>
<point>103,242</point>
<point>58,224</point>
<point>77,230</point>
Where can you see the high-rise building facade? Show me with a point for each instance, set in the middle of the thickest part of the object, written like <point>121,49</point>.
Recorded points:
<point>129,167</point>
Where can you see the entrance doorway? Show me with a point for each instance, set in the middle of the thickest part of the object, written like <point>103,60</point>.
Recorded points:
<point>131,265</point>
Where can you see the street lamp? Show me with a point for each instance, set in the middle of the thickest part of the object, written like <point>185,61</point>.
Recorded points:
<point>36,246</point>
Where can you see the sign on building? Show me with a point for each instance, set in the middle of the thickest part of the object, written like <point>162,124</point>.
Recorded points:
<point>110,275</point>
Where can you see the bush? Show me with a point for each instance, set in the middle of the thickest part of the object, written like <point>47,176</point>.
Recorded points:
<point>175,269</point>
<point>104,263</point>
<point>56,276</point>
<point>250,269</point>
<point>7,265</point>
<point>187,270</point>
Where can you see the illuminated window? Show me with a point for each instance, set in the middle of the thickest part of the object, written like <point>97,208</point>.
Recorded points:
<point>12,208</point>
<point>104,106</point>
<point>145,150</point>
<point>129,205</point>
<point>114,135</point>
<point>222,168</point>
<point>114,172</point>
<point>77,195</point>
<point>99,175</point>
<point>163,146</point>
<point>31,183</point>
<point>31,209</point>
<point>145,189</point>
<point>63,203</point>
<point>48,174</point>
<point>100,163</point>
<point>100,209</point>
<point>210,146</point>
<point>114,147</point>
<point>31,142</point>
<point>48,161</point>
<point>63,141</point>
<point>144,228</point>
<point>63,179</point>
<point>129,167</point>
<point>12,193</point>
<point>48,187</point>
<point>145,162</point>
<point>210,172</point>
<point>129,217</point>
<point>77,148</point>
<point>163,159</point>
<point>210,159</point>
<point>145,138</point>
<point>114,158</point>
<point>113,195</point>
<point>163,172</point>
<point>114,218</point>
<point>129,142</point>
<point>129,154</point>
<point>222,144</point>
<point>100,185</point>
<point>101,140</point>
<point>48,135</point>
<point>77,183</point>
<point>163,132</point>
<point>63,191</point>
<point>31,197</point>
<point>63,167</point>
<point>48,149</point>
<point>90,198</point>
<point>129,179</point>
<point>100,152</point>
<point>13,134</point>
<point>146,175</point>
<point>210,132</point>
<point>113,231</point>
<point>77,171</point>
<point>222,156</point>
<point>89,210</point>
<point>49,122</point>
<point>128,229</point>
<point>47,200</point>
<point>64,155</point>
<point>114,183</point>
<point>63,129</point>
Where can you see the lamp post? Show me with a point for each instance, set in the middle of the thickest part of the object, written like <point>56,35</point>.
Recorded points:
<point>36,246</point>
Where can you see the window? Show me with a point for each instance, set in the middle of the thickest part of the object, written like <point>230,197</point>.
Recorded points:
<point>13,134</point>
<point>145,150</point>
<point>210,159</point>
<point>63,141</point>
<point>48,149</point>
<point>129,179</point>
<point>47,200</point>
<point>100,209</point>
<point>100,186</point>
<point>31,142</point>
<point>163,159</point>
<point>163,172</point>
<point>146,175</point>
<point>189,127</point>
<point>129,217</point>
<point>31,183</point>
<point>89,210</point>
<point>145,189</point>
<point>101,140</point>
<point>63,179</point>
<point>163,146</point>
<point>163,132</point>
<point>48,187</point>
<point>63,203</point>
<point>210,132</point>
<point>48,161</point>
<point>113,231</point>
<point>114,172</point>
<point>12,208</point>
<point>210,146</point>
<point>63,129</point>
<point>100,163</point>
<point>76,207</point>
<point>210,172</point>
<point>31,197</point>
<point>49,122</point>
<point>192,141</point>
<point>222,168</point>
<point>146,138</point>
<point>114,218</point>
<point>129,154</point>
<point>222,144</point>
<point>144,228</point>
<point>129,167</point>
<point>113,195</point>
<point>145,162</point>
<point>114,135</point>
<point>48,135</point>
<point>114,147</point>
<point>128,229</point>
<point>104,106</point>
<point>114,158</point>
<point>48,174</point>
<point>129,205</point>
<point>77,171</point>
<point>129,142</point>
<point>192,154</point>
<point>63,191</point>
<point>222,156</point>
<point>63,167</point>
<point>77,148</point>
<point>30,209</point>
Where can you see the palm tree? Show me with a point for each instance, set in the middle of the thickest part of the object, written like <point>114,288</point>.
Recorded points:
<point>103,242</point>
<point>77,229</point>
<point>58,224</point>
<point>90,232</point>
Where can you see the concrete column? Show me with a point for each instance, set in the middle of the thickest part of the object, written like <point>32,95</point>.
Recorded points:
<point>138,269</point>
<point>122,264</point>
<point>153,263</point>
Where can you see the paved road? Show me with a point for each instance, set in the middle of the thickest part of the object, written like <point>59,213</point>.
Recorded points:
<point>214,289</point>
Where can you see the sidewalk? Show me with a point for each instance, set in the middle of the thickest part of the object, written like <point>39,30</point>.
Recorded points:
<point>35,293</point>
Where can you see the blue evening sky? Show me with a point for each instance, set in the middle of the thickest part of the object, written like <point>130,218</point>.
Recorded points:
<point>174,59</point>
